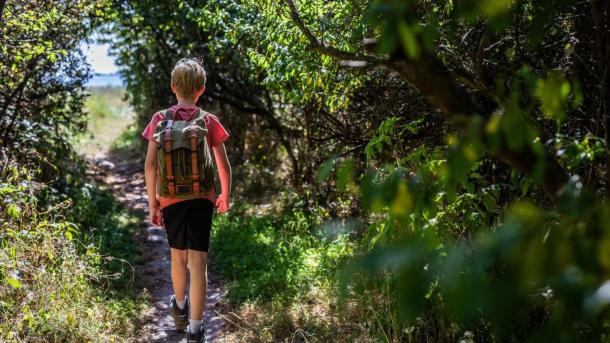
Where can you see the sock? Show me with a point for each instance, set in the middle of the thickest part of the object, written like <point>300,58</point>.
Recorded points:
<point>195,325</point>
<point>180,303</point>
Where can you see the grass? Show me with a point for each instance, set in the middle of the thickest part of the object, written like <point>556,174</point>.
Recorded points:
<point>273,258</point>
<point>282,279</point>
<point>126,140</point>
<point>109,118</point>
<point>284,272</point>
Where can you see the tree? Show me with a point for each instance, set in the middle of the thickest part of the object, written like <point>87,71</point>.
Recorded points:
<point>198,33</point>
<point>413,105</point>
<point>43,73</point>
<point>431,77</point>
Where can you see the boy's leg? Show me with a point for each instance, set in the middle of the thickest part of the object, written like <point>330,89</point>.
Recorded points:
<point>197,264</point>
<point>178,270</point>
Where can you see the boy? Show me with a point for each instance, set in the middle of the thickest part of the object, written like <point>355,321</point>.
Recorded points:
<point>188,222</point>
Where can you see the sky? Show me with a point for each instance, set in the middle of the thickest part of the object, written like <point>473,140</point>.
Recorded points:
<point>101,62</point>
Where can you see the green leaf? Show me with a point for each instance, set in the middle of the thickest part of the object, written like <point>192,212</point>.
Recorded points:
<point>344,174</point>
<point>325,169</point>
<point>13,282</point>
<point>489,201</point>
<point>553,94</point>
<point>14,211</point>
<point>409,40</point>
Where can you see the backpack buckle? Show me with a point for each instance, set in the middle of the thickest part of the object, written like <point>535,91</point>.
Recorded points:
<point>184,189</point>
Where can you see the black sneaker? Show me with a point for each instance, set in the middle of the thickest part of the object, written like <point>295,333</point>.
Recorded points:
<point>181,316</point>
<point>198,337</point>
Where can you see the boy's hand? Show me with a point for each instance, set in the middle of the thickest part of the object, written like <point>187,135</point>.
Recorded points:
<point>222,204</point>
<point>155,214</point>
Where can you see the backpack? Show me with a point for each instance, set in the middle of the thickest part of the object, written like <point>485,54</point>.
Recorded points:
<point>184,160</point>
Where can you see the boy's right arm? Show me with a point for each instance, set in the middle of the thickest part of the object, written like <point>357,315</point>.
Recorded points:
<point>150,174</point>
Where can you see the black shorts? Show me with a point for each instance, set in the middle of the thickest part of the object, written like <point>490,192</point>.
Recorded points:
<point>188,224</point>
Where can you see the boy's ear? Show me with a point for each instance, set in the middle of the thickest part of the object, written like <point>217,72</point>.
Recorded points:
<point>201,91</point>
<point>174,88</point>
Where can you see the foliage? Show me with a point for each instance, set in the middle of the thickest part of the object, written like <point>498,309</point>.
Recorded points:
<point>65,270</point>
<point>470,137</point>
<point>544,262</point>
<point>282,279</point>
<point>42,73</point>
<point>67,254</point>
<point>293,254</point>
<point>261,77</point>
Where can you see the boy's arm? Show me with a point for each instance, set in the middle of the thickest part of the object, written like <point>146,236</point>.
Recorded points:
<point>224,172</point>
<point>150,174</point>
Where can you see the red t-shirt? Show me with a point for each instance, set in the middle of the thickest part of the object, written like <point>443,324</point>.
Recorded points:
<point>216,136</point>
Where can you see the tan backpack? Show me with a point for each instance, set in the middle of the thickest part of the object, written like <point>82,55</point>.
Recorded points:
<point>184,160</point>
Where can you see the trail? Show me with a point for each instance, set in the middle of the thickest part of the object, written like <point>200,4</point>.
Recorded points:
<point>126,178</point>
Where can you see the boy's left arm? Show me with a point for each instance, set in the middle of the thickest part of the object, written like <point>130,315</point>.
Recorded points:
<point>224,172</point>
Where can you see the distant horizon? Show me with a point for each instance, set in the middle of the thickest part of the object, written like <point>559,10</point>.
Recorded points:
<point>106,74</point>
<point>105,80</point>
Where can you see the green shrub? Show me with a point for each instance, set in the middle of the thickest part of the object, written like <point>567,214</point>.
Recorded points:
<point>65,270</point>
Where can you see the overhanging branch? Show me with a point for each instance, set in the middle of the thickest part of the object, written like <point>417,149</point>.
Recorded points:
<point>432,78</point>
<point>324,48</point>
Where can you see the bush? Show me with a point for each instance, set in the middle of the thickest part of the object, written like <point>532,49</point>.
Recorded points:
<point>64,270</point>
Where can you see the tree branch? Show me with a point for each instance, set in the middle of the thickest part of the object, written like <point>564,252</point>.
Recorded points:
<point>2,2</point>
<point>432,78</point>
<point>324,48</point>
<point>256,105</point>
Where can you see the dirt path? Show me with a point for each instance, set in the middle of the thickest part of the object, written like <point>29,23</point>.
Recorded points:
<point>153,272</point>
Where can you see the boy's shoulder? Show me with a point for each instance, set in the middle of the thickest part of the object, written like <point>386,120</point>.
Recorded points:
<point>210,115</point>
<point>160,115</point>
<point>175,108</point>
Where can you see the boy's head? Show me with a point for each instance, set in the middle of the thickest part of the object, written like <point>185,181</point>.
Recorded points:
<point>188,79</point>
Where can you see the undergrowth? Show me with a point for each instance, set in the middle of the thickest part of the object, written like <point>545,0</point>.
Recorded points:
<point>274,258</point>
<point>283,279</point>
<point>66,263</point>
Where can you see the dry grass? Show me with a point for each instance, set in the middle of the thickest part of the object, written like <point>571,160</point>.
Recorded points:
<point>314,318</point>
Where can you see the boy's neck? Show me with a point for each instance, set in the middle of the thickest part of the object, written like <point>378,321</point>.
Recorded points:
<point>187,102</point>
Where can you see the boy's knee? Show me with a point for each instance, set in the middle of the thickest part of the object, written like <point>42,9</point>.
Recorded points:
<point>179,257</point>
<point>197,258</point>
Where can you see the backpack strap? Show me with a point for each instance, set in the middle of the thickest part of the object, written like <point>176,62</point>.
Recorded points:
<point>167,141</point>
<point>204,117</point>
<point>194,163</point>
<point>194,159</point>
<point>169,115</point>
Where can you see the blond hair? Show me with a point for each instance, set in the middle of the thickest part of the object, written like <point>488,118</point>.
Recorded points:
<point>188,76</point>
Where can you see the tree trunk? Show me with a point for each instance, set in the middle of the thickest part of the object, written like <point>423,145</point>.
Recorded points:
<point>2,2</point>
<point>600,13</point>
